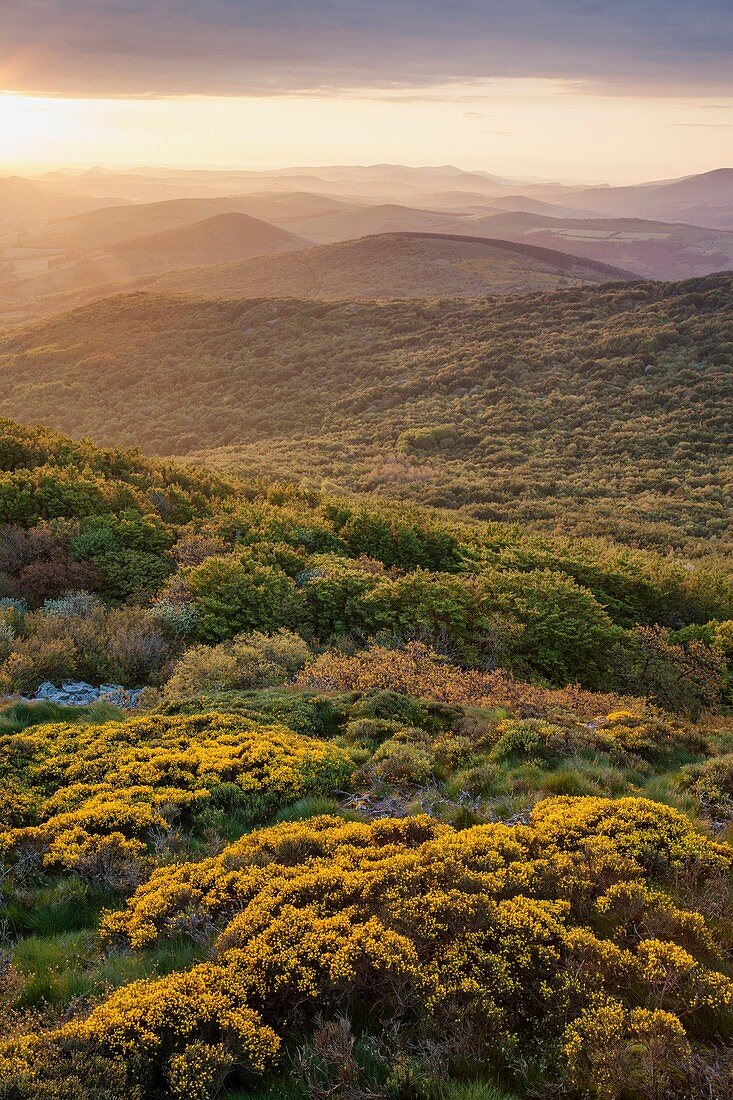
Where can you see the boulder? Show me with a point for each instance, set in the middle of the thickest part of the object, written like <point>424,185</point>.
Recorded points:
<point>77,693</point>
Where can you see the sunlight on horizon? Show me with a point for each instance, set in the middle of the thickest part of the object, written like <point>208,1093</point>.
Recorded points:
<point>510,127</point>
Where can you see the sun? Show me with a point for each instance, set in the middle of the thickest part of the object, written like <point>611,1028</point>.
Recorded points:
<point>32,128</point>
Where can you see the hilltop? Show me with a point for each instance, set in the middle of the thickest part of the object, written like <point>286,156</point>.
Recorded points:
<point>111,226</point>
<point>229,236</point>
<point>226,236</point>
<point>396,265</point>
<point>599,410</point>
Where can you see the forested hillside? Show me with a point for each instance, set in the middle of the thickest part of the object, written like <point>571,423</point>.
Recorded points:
<point>395,266</point>
<point>404,796</point>
<point>601,411</point>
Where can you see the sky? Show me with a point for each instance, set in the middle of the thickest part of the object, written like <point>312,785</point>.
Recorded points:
<point>568,89</point>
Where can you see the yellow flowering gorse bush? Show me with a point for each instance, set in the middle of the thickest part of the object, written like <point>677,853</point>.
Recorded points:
<point>130,780</point>
<point>555,938</point>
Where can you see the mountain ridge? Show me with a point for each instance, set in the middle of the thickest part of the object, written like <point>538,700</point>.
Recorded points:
<point>395,265</point>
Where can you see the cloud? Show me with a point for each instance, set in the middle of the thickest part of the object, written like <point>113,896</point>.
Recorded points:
<point>266,47</point>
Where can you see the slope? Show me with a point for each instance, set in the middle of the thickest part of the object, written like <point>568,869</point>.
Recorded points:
<point>227,236</point>
<point>26,204</point>
<point>705,199</point>
<point>399,265</point>
<point>658,250</point>
<point>598,410</point>
<point>112,226</point>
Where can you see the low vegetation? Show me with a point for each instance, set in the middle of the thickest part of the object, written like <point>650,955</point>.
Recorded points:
<point>414,808</point>
<point>591,411</point>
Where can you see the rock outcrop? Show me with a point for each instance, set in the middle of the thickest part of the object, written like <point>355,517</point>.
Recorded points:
<point>77,693</point>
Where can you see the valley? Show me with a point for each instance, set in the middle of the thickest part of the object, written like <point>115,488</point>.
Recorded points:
<point>366,635</point>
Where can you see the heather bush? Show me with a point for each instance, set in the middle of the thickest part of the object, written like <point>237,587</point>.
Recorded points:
<point>177,619</point>
<point>122,645</point>
<point>370,730</point>
<point>392,705</point>
<point>531,738</point>
<point>74,605</point>
<point>418,671</point>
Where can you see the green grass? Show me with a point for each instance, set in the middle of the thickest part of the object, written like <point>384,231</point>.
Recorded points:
<point>57,969</point>
<point>63,906</point>
<point>305,808</point>
<point>284,1088</point>
<point>19,716</point>
<point>471,1090</point>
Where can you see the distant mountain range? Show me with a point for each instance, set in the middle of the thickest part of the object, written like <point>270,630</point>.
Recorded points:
<point>229,236</point>
<point>66,238</point>
<point>705,200</point>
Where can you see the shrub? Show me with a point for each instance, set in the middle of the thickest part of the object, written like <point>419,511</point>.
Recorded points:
<point>451,751</point>
<point>106,791</point>
<point>160,1021</point>
<point>711,783</point>
<point>391,705</point>
<point>51,1070</point>
<point>370,730</point>
<point>237,593</point>
<point>123,645</point>
<point>74,605</point>
<point>655,739</point>
<point>687,679</point>
<point>532,738</point>
<point>488,940</point>
<point>202,669</point>
<point>175,618</point>
<point>401,763</point>
<point>199,1072</point>
<point>614,1052</point>
<point>249,661</point>
<point>417,671</point>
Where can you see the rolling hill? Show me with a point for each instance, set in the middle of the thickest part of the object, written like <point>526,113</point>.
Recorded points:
<point>657,250</point>
<point>26,204</point>
<point>227,236</point>
<point>329,227</point>
<point>231,236</point>
<point>590,410</point>
<point>111,226</point>
<point>394,266</point>
<point>705,199</point>
<point>648,245</point>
